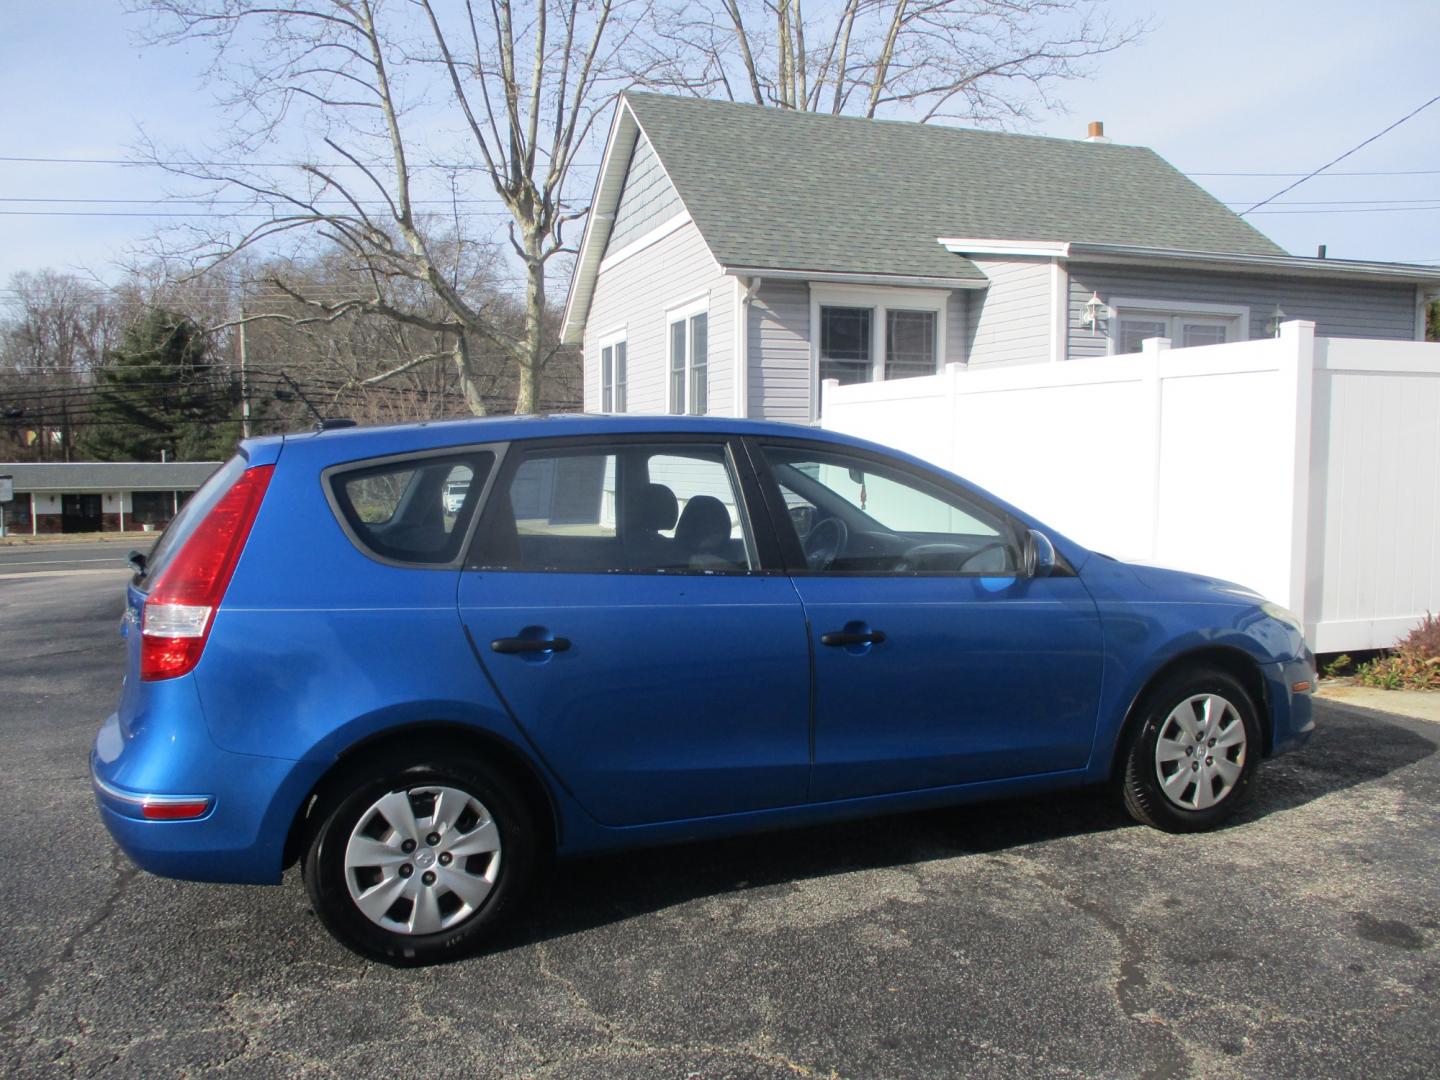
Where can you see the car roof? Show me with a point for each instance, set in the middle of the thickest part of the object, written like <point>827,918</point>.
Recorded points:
<point>354,442</point>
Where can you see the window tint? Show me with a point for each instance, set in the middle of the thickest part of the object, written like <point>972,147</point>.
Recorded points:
<point>629,509</point>
<point>415,510</point>
<point>854,515</point>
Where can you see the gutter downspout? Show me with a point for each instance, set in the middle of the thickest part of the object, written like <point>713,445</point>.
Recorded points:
<point>744,292</point>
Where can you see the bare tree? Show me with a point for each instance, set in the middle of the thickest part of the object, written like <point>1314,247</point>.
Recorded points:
<point>395,97</point>
<point>56,334</point>
<point>986,61</point>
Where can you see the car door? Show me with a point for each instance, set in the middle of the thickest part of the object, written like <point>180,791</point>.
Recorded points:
<point>618,598</point>
<point>937,660</point>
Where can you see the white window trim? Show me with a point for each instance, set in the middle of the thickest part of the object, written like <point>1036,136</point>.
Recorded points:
<point>880,298</point>
<point>1172,309</point>
<point>684,313</point>
<point>607,340</point>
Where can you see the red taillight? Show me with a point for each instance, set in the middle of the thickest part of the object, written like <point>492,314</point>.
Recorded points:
<point>182,602</point>
<point>174,809</point>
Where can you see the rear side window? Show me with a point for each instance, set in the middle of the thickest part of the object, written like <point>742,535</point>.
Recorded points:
<point>631,509</point>
<point>414,510</point>
<point>192,513</point>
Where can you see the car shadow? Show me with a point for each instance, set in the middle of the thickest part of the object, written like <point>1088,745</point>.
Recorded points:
<point>1350,747</point>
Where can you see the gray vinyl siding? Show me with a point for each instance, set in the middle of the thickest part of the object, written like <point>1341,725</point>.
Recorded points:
<point>647,201</point>
<point>779,352</point>
<point>1360,309</point>
<point>957,325</point>
<point>1010,321</point>
<point>635,296</point>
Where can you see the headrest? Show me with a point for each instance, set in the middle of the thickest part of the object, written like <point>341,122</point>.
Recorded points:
<point>705,524</point>
<point>654,508</point>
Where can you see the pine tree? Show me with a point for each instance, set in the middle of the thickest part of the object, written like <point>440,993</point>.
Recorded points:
<point>160,392</point>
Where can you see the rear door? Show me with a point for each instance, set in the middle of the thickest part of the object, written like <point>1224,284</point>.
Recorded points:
<point>639,630</point>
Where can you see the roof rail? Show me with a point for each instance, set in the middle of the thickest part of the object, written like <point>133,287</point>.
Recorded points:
<point>330,423</point>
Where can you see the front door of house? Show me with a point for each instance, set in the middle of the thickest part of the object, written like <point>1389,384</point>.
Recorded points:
<point>79,513</point>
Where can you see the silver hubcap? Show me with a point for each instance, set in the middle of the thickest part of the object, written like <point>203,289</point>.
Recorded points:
<point>1201,752</point>
<point>422,860</point>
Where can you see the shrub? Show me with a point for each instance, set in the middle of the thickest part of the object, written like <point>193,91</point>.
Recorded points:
<point>1414,663</point>
<point>1338,666</point>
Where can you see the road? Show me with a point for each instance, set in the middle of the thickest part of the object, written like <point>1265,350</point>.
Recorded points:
<point>54,557</point>
<point>1048,937</point>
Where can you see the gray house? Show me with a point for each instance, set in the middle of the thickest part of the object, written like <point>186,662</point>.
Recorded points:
<point>736,256</point>
<point>98,496</point>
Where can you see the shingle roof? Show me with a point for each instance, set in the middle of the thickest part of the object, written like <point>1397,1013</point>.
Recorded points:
<point>109,475</point>
<point>804,191</point>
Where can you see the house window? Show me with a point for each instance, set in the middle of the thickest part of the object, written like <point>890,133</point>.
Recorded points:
<point>612,376</point>
<point>1133,321</point>
<point>870,334</point>
<point>909,343</point>
<point>690,360</point>
<point>845,340</point>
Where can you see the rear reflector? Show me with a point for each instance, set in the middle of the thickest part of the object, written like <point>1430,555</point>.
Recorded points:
<point>176,810</point>
<point>181,606</point>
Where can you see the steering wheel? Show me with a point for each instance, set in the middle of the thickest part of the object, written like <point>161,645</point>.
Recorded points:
<point>825,542</point>
<point>992,546</point>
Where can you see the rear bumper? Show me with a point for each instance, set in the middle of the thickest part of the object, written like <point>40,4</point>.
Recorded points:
<point>1292,712</point>
<point>241,835</point>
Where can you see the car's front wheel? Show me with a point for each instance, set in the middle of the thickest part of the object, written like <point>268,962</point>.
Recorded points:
<point>415,863</point>
<point>1193,752</point>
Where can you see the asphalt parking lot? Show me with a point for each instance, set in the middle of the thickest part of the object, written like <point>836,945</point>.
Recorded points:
<point>1049,937</point>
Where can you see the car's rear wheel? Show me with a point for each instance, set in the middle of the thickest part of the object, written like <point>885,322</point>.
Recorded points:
<point>1193,752</point>
<point>415,863</point>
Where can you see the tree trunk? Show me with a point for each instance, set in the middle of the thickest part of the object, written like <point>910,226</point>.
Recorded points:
<point>531,362</point>
<point>466,373</point>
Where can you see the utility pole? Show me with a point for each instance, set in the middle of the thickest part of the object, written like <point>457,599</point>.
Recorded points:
<point>244,381</point>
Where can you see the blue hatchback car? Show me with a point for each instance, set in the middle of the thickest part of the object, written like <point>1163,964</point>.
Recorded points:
<point>423,659</point>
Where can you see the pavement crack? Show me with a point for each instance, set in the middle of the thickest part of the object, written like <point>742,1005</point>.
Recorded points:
<point>1171,1058</point>
<point>39,980</point>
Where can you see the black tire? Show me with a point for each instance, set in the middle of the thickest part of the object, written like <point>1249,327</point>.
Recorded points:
<point>328,883</point>
<point>1142,785</point>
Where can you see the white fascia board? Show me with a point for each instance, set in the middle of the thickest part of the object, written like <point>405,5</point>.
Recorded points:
<point>623,128</point>
<point>679,221</point>
<point>837,278</point>
<point>1293,265</point>
<point>1045,249</point>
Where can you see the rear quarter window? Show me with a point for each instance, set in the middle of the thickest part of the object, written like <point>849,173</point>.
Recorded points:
<point>410,510</point>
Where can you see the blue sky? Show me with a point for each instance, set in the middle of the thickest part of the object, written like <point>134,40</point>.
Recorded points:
<point>1222,86</point>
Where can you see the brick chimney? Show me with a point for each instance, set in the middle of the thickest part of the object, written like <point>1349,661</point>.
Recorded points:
<point>1097,132</point>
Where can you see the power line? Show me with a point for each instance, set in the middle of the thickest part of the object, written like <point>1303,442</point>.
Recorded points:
<point>1342,157</point>
<point>1331,202</point>
<point>1383,172</point>
<point>299,212</point>
<point>232,202</point>
<point>129,163</point>
<point>1370,210</point>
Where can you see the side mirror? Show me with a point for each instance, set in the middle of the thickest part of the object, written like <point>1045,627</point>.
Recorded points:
<point>1039,555</point>
<point>137,561</point>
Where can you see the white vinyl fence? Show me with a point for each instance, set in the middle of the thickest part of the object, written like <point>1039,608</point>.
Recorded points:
<point>1305,468</point>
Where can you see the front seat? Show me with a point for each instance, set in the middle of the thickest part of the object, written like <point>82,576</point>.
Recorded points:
<point>649,510</point>
<point>703,532</point>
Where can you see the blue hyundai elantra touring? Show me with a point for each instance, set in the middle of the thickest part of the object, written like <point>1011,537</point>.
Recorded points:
<point>421,660</point>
